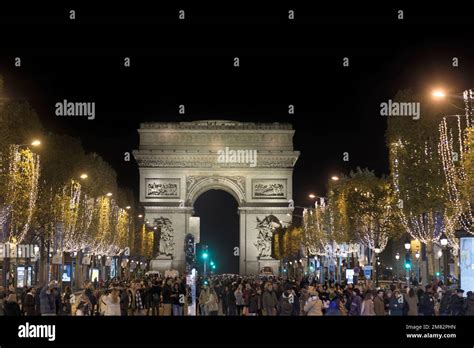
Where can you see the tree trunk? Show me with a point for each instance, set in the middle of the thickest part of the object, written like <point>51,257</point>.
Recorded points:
<point>42,262</point>
<point>430,260</point>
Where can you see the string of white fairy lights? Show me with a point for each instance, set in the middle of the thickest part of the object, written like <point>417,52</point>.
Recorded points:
<point>426,227</point>
<point>453,147</point>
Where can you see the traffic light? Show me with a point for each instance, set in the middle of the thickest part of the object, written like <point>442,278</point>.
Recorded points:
<point>212,263</point>
<point>407,264</point>
<point>205,253</point>
<point>438,274</point>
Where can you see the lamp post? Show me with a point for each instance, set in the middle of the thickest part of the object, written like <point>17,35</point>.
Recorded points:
<point>444,244</point>
<point>397,257</point>
<point>407,261</point>
<point>377,252</point>
<point>417,256</point>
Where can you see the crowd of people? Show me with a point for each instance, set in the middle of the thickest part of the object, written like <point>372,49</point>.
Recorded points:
<point>234,295</point>
<point>260,296</point>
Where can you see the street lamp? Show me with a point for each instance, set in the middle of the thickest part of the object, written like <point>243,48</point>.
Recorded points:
<point>417,256</point>
<point>443,240</point>
<point>397,257</point>
<point>109,194</point>
<point>377,251</point>
<point>407,244</point>
<point>84,176</point>
<point>312,196</point>
<point>140,216</point>
<point>128,207</point>
<point>334,178</point>
<point>438,94</point>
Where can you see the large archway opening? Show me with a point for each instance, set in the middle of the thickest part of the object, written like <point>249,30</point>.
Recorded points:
<point>218,211</point>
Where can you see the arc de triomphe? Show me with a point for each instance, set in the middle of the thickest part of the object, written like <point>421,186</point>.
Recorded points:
<point>180,161</point>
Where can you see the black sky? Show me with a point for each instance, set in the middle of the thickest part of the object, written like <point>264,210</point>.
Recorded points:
<point>282,62</point>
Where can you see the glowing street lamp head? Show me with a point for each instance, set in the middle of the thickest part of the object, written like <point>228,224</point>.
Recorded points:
<point>140,216</point>
<point>36,142</point>
<point>312,196</point>
<point>84,176</point>
<point>205,255</point>
<point>109,194</point>
<point>128,207</point>
<point>438,94</point>
<point>334,178</point>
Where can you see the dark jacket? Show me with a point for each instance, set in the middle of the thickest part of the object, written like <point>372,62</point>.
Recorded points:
<point>469,305</point>
<point>285,308</point>
<point>427,305</point>
<point>269,300</point>
<point>166,293</point>
<point>47,301</point>
<point>12,309</point>
<point>457,305</point>
<point>29,306</point>
<point>397,305</point>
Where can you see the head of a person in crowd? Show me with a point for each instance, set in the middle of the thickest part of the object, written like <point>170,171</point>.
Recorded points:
<point>429,289</point>
<point>460,292</point>
<point>411,292</point>
<point>380,293</point>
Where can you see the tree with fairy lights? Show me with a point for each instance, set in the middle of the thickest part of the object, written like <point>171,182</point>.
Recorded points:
<point>364,209</point>
<point>456,147</point>
<point>416,172</point>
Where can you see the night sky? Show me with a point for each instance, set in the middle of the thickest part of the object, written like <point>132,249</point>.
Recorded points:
<point>191,62</point>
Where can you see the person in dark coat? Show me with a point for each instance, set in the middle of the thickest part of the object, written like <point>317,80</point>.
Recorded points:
<point>445,305</point>
<point>397,304</point>
<point>124,302</point>
<point>427,302</point>
<point>285,305</point>
<point>231,302</point>
<point>11,307</point>
<point>29,306</point>
<point>469,304</point>
<point>457,303</point>
<point>22,298</point>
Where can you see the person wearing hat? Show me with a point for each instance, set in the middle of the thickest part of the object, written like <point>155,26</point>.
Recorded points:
<point>314,305</point>
<point>457,303</point>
